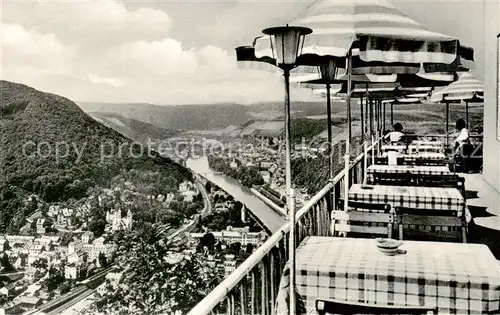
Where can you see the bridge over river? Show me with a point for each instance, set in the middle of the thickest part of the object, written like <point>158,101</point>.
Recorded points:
<point>265,215</point>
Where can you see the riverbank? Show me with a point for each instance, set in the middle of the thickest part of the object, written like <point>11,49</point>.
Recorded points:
<point>264,214</point>
<point>267,201</point>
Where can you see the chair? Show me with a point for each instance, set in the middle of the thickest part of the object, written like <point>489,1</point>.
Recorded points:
<point>381,160</point>
<point>392,179</point>
<point>330,307</point>
<point>446,181</point>
<point>362,223</point>
<point>433,219</point>
<point>358,205</point>
<point>429,162</point>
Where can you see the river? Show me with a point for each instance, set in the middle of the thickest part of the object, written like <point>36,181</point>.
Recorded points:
<point>269,217</point>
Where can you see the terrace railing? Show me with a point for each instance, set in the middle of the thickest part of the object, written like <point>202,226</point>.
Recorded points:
<point>253,287</point>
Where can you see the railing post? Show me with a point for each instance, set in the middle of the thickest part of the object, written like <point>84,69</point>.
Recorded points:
<point>365,161</point>
<point>243,298</point>
<point>373,151</point>
<point>346,180</point>
<point>252,294</point>
<point>291,254</point>
<point>337,195</point>
<point>272,275</point>
<point>263,289</point>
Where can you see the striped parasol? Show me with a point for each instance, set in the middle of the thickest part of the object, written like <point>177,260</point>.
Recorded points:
<point>464,88</point>
<point>381,39</point>
<point>467,88</point>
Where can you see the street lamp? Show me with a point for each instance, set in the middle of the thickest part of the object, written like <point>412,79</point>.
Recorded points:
<point>287,43</point>
<point>328,70</point>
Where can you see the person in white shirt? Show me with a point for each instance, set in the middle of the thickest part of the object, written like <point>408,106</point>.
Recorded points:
<point>397,134</point>
<point>460,149</point>
<point>462,134</point>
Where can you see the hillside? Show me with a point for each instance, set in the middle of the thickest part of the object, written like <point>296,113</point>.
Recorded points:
<point>206,116</point>
<point>51,149</point>
<point>132,128</point>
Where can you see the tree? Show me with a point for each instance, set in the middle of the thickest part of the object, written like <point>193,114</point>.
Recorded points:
<point>97,226</point>
<point>54,279</point>
<point>40,263</point>
<point>236,248</point>
<point>155,282</point>
<point>208,186</point>
<point>249,248</point>
<point>5,263</point>
<point>208,240</point>
<point>103,262</point>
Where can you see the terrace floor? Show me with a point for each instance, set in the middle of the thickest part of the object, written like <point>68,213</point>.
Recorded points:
<point>484,205</point>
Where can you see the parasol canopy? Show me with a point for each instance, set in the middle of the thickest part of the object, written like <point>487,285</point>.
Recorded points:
<point>381,39</point>
<point>465,88</point>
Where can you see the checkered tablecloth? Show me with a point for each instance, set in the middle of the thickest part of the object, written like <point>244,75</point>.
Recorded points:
<point>404,169</point>
<point>412,147</point>
<point>438,144</point>
<point>421,155</point>
<point>393,147</point>
<point>456,278</point>
<point>431,198</point>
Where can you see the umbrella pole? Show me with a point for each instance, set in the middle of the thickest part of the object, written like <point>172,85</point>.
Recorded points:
<point>383,125</point>
<point>330,136</point>
<point>392,114</point>
<point>447,122</point>
<point>348,142</point>
<point>467,113</point>
<point>349,116</point>
<point>362,120</point>
<point>289,190</point>
<point>367,110</point>
<point>377,118</point>
<point>371,118</point>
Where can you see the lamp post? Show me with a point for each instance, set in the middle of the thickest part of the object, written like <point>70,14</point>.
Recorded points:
<point>328,70</point>
<point>286,43</point>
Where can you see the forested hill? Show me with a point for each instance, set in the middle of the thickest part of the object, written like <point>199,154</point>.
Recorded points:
<point>133,129</point>
<point>52,150</point>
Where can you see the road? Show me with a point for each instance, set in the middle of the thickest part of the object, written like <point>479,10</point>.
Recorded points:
<point>207,209</point>
<point>206,199</point>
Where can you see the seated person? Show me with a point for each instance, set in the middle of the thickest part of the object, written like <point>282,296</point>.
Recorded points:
<point>461,147</point>
<point>396,135</point>
<point>462,135</point>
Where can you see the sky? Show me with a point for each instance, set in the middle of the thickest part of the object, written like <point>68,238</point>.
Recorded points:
<point>172,52</point>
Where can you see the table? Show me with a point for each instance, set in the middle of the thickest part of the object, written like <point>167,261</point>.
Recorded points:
<point>421,155</point>
<point>425,148</point>
<point>430,198</point>
<point>415,147</point>
<point>456,278</point>
<point>404,169</point>
<point>393,147</point>
<point>438,144</point>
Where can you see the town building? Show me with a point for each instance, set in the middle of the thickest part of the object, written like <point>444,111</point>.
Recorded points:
<point>119,222</point>
<point>235,235</point>
<point>4,244</point>
<point>87,237</point>
<point>229,264</point>
<point>19,239</point>
<point>40,226</point>
<point>72,271</point>
<point>93,250</point>
<point>8,290</point>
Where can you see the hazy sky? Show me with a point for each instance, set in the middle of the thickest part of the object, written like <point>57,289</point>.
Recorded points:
<point>171,52</point>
